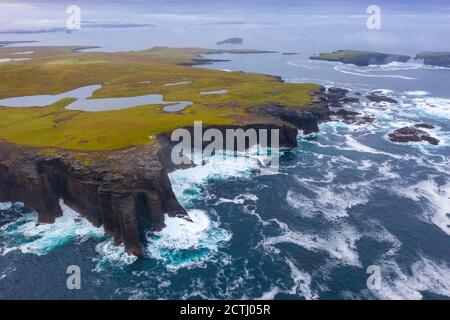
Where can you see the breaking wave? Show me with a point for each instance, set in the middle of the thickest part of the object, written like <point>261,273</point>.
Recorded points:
<point>434,199</point>
<point>186,244</point>
<point>338,243</point>
<point>29,237</point>
<point>369,70</point>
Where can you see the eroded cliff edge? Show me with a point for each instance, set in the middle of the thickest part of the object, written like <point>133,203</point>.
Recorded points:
<point>124,191</point>
<point>127,192</point>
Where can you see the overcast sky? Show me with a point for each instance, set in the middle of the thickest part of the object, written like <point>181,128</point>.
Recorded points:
<point>406,24</point>
<point>41,14</point>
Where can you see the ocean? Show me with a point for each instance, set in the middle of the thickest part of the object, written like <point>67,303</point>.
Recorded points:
<point>346,199</point>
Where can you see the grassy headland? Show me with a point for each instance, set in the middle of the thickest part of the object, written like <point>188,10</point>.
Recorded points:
<point>360,58</point>
<point>53,70</point>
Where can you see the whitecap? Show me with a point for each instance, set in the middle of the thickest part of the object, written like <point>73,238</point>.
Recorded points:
<point>240,199</point>
<point>339,244</point>
<point>188,184</point>
<point>359,147</point>
<point>331,202</point>
<point>385,170</point>
<point>270,294</point>
<point>380,234</point>
<point>186,244</point>
<point>5,206</point>
<point>365,72</point>
<point>437,107</point>
<point>425,276</point>
<point>302,282</point>
<point>417,93</point>
<point>111,254</point>
<point>40,239</point>
<point>437,201</point>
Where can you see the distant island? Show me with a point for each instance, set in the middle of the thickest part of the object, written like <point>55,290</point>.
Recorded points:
<point>433,58</point>
<point>361,58</point>
<point>233,41</point>
<point>9,43</point>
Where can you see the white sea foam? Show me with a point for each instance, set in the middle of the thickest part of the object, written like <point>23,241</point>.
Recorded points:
<point>380,234</point>
<point>330,202</point>
<point>270,295</point>
<point>424,276</point>
<point>188,183</point>
<point>41,239</point>
<point>435,200</point>
<point>438,107</point>
<point>240,199</point>
<point>183,243</point>
<point>339,243</point>
<point>6,272</point>
<point>360,71</point>
<point>111,254</point>
<point>302,282</point>
<point>5,205</point>
<point>355,145</point>
<point>385,170</point>
<point>301,287</point>
<point>417,93</point>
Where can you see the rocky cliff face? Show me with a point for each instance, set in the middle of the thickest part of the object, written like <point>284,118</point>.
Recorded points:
<point>128,191</point>
<point>361,58</point>
<point>440,59</point>
<point>125,191</point>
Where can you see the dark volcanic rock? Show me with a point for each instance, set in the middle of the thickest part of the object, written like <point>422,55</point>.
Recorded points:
<point>339,92</point>
<point>306,121</point>
<point>439,59</point>
<point>424,126</point>
<point>127,191</point>
<point>347,116</point>
<point>366,119</point>
<point>337,97</point>
<point>412,134</point>
<point>376,97</point>
<point>308,118</point>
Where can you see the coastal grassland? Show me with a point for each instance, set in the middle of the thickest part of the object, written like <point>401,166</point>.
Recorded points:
<point>54,126</point>
<point>340,55</point>
<point>126,74</point>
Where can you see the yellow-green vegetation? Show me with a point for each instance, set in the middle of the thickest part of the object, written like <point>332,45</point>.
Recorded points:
<point>340,55</point>
<point>53,70</point>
